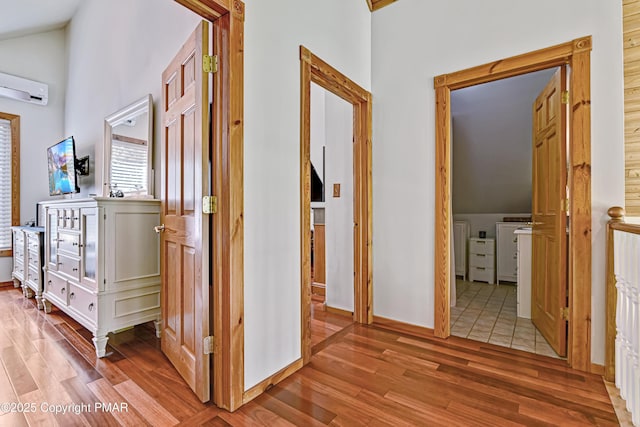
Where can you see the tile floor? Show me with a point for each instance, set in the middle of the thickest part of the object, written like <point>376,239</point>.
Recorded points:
<point>487,313</point>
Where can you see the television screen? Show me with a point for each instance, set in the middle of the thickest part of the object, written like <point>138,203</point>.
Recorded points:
<point>62,172</point>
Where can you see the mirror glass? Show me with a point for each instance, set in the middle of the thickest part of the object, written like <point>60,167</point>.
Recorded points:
<point>127,154</point>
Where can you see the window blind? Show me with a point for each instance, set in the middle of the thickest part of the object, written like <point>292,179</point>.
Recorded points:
<point>5,184</point>
<point>128,166</point>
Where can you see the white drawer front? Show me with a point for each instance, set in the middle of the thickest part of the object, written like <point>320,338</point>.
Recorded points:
<point>486,247</point>
<point>70,243</point>
<point>482,274</point>
<point>34,277</point>
<point>34,259</point>
<point>57,287</point>
<point>18,270</point>
<point>84,302</point>
<point>69,266</point>
<point>482,260</point>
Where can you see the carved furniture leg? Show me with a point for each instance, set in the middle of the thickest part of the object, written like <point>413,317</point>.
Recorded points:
<point>100,342</point>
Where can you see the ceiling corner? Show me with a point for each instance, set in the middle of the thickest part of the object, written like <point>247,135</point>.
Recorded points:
<point>378,4</point>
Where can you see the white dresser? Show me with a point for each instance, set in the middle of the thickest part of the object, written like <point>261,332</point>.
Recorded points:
<point>28,251</point>
<point>506,261</point>
<point>460,239</point>
<point>102,263</point>
<point>524,272</point>
<point>482,260</point>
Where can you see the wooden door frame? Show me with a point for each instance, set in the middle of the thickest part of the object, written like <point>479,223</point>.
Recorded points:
<point>315,70</point>
<point>576,54</point>
<point>227,243</point>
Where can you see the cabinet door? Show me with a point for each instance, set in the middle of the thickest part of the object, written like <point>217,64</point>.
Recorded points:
<point>507,248</point>
<point>51,238</point>
<point>89,246</point>
<point>459,248</point>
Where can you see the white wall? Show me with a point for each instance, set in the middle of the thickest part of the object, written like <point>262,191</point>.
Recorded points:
<point>39,57</point>
<point>418,40</point>
<point>491,148</point>
<point>339,211</point>
<point>318,134</point>
<point>117,51</point>
<point>339,32</point>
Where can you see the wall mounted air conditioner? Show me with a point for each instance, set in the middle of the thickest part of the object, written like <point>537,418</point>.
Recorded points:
<point>23,89</point>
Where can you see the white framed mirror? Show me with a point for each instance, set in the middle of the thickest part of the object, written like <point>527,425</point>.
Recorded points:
<point>127,169</point>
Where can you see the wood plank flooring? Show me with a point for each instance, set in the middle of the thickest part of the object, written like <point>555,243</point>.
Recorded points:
<point>360,376</point>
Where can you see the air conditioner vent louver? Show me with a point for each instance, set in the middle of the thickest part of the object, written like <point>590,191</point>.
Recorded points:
<point>25,90</point>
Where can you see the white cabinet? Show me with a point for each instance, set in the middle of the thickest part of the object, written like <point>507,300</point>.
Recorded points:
<point>102,263</point>
<point>507,264</point>
<point>27,260</point>
<point>18,256</point>
<point>524,272</point>
<point>482,260</point>
<point>460,239</point>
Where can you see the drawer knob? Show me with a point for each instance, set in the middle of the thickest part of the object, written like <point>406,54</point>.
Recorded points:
<point>63,290</point>
<point>72,295</point>
<point>74,244</point>
<point>90,307</point>
<point>74,269</point>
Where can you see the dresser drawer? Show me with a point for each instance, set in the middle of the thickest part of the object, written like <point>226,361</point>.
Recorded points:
<point>69,266</point>
<point>481,260</point>
<point>18,238</point>
<point>482,274</point>
<point>34,259</point>
<point>69,242</point>
<point>18,252</point>
<point>57,288</point>
<point>34,277</point>
<point>84,302</point>
<point>18,270</point>
<point>70,219</point>
<point>482,246</point>
<point>33,242</point>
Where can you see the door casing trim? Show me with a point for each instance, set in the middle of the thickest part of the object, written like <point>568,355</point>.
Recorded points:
<point>315,70</point>
<point>576,54</point>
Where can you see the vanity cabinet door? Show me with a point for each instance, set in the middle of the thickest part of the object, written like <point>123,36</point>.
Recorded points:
<point>89,246</point>
<point>51,236</point>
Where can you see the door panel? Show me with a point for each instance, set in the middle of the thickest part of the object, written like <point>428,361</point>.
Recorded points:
<point>549,240</point>
<point>185,239</point>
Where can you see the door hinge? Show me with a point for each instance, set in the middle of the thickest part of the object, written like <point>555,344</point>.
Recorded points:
<point>565,97</point>
<point>209,204</point>
<point>210,63</point>
<point>565,313</point>
<point>565,205</point>
<point>209,344</point>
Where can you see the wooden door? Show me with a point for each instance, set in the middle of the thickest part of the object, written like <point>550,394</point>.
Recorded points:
<point>549,239</point>
<point>185,237</point>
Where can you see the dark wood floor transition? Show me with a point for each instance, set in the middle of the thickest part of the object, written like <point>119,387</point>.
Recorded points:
<point>361,376</point>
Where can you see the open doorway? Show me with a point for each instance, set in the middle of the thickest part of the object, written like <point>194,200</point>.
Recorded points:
<point>492,181</point>
<point>332,245</point>
<point>315,70</point>
<point>575,54</point>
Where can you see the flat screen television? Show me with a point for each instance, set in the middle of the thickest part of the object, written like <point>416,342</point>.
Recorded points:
<point>61,161</point>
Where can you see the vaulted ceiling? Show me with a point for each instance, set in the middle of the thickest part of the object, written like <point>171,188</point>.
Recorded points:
<point>377,4</point>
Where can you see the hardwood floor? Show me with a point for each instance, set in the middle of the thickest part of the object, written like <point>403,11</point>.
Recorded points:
<point>324,324</point>
<point>360,376</point>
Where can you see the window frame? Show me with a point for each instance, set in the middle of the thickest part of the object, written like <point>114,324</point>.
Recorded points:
<point>14,121</point>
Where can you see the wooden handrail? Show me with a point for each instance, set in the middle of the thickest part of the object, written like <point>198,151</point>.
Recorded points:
<point>616,222</point>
